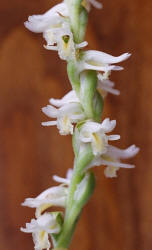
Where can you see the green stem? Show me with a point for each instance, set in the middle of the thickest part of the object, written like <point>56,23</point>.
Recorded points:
<point>78,19</point>
<point>68,230</point>
<point>73,76</point>
<point>73,215</point>
<point>92,105</point>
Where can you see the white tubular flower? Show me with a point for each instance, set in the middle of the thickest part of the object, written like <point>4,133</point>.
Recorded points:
<point>112,159</point>
<point>100,61</point>
<point>40,228</point>
<point>54,196</point>
<point>66,114</point>
<point>95,133</point>
<point>105,85</point>
<point>87,4</point>
<point>65,181</point>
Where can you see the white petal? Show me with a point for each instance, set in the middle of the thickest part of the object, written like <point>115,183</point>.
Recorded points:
<point>87,66</point>
<point>111,172</point>
<point>107,86</point>
<point>116,164</point>
<point>70,110</point>
<point>69,174</point>
<point>85,139</point>
<point>51,47</point>
<point>66,180</point>
<point>113,137</point>
<point>52,195</point>
<point>38,26</point>
<point>48,223</point>
<point>81,45</point>
<point>58,8</point>
<point>64,125</point>
<point>111,90</point>
<point>40,23</point>
<point>50,123</point>
<point>108,125</point>
<point>91,127</point>
<point>104,82</point>
<point>61,180</point>
<point>123,153</point>
<point>104,58</point>
<point>68,98</point>
<point>95,4</point>
<point>50,111</point>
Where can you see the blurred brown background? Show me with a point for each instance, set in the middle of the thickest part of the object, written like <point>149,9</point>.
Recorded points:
<point>119,215</point>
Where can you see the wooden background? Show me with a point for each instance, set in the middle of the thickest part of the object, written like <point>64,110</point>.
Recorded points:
<point>119,215</point>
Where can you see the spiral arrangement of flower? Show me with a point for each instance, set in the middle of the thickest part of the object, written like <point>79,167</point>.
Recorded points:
<point>78,113</point>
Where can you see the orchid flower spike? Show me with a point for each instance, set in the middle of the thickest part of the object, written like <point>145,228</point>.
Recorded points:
<point>95,133</point>
<point>63,28</point>
<point>100,61</point>
<point>66,114</point>
<point>40,228</point>
<point>112,159</point>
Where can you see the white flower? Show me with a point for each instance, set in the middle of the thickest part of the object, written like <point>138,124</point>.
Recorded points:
<point>70,111</point>
<point>87,4</point>
<point>105,85</point>
<point>40,228</point>
<point>112,159</point>
<point>54,196</point>
<point>63,43</point>
<point>100,61</point>
<point>95,133</point>
<point>55,26</point>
